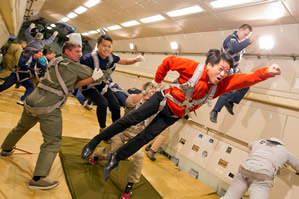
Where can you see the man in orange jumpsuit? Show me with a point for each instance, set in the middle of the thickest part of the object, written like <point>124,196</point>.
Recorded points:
<point>197,84</point>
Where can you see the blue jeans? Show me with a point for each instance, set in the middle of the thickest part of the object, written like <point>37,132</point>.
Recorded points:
<point>12,79</point>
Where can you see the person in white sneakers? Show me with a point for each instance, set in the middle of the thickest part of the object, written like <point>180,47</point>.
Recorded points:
<point>258,171</point>
<point>43,105</point>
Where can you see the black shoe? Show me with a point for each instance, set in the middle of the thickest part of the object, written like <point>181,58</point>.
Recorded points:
<point>111,163</point>
<point>17,85</point>
<point>86,151</point>
<point>147,148</point>
<point>229,107</point>
<point>213,116</point>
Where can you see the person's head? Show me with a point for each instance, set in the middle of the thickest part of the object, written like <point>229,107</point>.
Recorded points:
<point>104,45</point>
<point>244,32</point>
<point>72,50</point>
<point>144,87</point>
<point>37,54</point>
<point>50,55</point>
<point>218,65</point>
<point>39,36</point>
<point>23,43</point>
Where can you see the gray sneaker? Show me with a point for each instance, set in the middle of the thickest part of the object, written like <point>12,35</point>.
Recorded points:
<point>151,155</point>
<point>5,154</point>
<point>43,184</point>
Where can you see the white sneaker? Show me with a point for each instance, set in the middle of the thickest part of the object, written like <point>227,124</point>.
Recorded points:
<point>20,102</point>
<point>43,184</point>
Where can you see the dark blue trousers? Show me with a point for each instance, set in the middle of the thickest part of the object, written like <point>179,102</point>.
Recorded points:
<point>12,79</point>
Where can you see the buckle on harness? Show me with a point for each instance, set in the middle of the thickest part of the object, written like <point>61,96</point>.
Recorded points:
<point>188,104</point>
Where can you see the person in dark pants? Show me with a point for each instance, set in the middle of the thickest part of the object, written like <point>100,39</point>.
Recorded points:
<point>22,74</point>
<point>235,45</point>
<point>100,93</point>
<point>196,85</point>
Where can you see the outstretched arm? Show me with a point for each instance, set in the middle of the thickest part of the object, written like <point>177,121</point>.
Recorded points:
<point>128,61</point>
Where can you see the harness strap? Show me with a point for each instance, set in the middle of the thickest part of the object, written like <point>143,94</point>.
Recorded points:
<point>44,110</point>
<point>187,89</point>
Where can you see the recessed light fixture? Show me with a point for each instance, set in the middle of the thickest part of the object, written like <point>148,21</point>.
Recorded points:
<point>115,27</point>
<point>152,19</point>
<point>92,32</point>
<point>132,46</point>
<point>174,45</point>
<point>91,3</point>
<point>65,19</point>
<point>266,42</point>
<point>130,23</point>
<point>229,3</point>
<point>72,15</point>
<point>80,10</point>
<point>85,33</point>
<point>185,11</point>
<point>53,25</point>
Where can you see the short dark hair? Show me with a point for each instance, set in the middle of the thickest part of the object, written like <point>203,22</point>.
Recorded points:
<point>69,45</point>
<point>104,37</point>
<point>146,85</point>
<point>246,26</point>
<point>214,56</point>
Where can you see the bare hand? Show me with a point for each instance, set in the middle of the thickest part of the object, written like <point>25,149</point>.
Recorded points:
<point>253,38</point>
<point>32,25</point>
<point>274,70</point>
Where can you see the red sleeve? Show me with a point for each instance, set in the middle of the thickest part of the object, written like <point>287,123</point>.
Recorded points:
<point>185,67</point>
<point>241,80</point>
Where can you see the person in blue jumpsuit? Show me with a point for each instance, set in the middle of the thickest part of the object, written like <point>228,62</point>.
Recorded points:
<point>22,74</point>
<point>104,59</point>
<point>37,42</point>
<point>235,45</point>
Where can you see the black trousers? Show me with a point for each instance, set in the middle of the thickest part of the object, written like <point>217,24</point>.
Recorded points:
<point>158,124</point>
<point>102,102</point>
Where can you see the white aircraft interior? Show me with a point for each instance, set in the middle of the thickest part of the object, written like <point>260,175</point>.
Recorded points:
<point>208,152</point>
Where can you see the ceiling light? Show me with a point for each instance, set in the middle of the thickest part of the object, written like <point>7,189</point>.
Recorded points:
<point>115,27</point>
<point>228,3</point>
<point>92,32</point>
<point>65,19</point>
<point>49,28</point>
<point>91,3</point>
<point>80,10</point>
<point>174,45</point>
<point>72,15</point>
<point>85,33</point>
<point>132,46</point>
<point>152,19</point>
<point>130,23</point>
<point>185,11</point>
<point>266,42</point>
<point>53,25</point>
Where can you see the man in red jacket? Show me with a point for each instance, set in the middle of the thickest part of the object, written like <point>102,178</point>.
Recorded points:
<point>197,84</point>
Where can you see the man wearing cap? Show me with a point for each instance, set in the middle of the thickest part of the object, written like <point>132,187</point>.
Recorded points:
<point>257,172</point>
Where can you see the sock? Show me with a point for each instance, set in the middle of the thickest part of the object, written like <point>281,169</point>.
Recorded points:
<point>7,150</point>
<point>36,178</point>
<point>129,187</point>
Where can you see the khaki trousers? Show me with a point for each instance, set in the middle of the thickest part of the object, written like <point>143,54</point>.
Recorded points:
<point>51,129</point>
<point>136,160</point>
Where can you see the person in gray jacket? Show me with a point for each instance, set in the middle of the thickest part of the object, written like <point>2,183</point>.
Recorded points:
<point>257,172</point>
